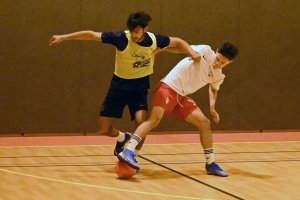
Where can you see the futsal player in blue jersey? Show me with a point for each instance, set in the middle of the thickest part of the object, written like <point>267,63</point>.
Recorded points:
<point>135,55</point>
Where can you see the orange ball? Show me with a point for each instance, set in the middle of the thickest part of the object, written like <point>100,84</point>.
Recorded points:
<point>123,170</point>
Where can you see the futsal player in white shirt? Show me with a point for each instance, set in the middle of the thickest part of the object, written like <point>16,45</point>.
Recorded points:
<point>171,97</point>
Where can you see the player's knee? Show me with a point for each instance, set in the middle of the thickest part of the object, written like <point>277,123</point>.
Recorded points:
<point>155,120</point>
<point>204,122</point>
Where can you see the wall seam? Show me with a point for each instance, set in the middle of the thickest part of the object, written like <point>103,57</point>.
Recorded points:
<point>80,68</point>
<point>239,38</point>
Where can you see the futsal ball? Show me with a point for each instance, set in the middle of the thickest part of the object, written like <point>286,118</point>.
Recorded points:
<point>123,170</point>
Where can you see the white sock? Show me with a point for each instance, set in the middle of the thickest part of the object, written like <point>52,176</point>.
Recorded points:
<point>133,142</point>
<point>209,155</point>
<point>121,136</point>
<point>136,152</point>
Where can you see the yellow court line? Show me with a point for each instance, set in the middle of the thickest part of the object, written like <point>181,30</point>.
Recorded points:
<point>101,187</point>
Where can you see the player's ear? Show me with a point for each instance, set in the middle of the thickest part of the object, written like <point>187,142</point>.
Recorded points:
<point>146,29</point>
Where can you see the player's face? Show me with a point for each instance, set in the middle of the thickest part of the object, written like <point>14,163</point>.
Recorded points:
<point>137,34</point>
<point>220,61</point>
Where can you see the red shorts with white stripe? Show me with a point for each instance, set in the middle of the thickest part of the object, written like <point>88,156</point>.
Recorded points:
<point>171,101</point>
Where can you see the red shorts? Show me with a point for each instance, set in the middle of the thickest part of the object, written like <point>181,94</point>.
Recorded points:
<point>171,101</point>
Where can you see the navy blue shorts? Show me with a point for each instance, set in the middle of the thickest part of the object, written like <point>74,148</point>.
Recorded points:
<point>116,100</point>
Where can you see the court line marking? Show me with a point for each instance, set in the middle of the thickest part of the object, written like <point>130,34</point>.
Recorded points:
<point>97,186</point>
<point>96,145</point>
<point>191,178</point>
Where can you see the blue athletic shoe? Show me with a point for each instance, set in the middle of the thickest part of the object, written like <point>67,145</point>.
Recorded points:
<point>120,145</point>
<point>128,157</point>
<point>214,169</point>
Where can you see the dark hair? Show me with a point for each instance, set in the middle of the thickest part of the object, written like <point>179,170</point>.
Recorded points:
<point>138,18</point>
<point>228,50</point>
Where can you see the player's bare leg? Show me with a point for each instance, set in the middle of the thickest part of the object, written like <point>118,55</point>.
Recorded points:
<point>128,154</point>
<point>140,117</point>
<point>105,128</point>
<point>198,119</point>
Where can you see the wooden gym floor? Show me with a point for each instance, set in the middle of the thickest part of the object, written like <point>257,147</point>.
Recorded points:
<point>260,166</point>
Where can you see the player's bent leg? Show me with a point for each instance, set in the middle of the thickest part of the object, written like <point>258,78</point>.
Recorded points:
<point>128,155</point>
<point>198,119</point>
<point>154,119</point>
<point>105,128</point>
<point>140,117</point>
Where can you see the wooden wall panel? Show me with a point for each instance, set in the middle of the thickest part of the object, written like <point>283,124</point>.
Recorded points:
<point>268,83</point>
<point>39,84</point>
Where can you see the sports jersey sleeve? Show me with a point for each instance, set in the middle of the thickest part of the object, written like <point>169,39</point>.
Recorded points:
<point>208,53</point>
<point>216,85</point>
<point>162,41</point>
<point>205,51</point>
<point>116,38</point>
<point>199,48</point>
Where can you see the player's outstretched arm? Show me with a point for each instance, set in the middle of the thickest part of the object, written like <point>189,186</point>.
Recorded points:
<point>81,35</point>
<point>178,45</point>
<point>212,102</point>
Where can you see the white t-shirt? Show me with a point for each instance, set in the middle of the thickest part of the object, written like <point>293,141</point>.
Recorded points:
<point>188,76</point>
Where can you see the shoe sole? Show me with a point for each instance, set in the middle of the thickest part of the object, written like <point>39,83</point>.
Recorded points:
<point>128,163</point>
<point>210,173</point>
<point>116,154</point>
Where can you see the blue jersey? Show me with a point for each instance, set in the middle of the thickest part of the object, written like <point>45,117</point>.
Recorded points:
<point>120,41</point>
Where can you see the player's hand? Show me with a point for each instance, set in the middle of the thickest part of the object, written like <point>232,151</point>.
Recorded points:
<point>215,115</point>
<point>55,39</point>
<point>196,57</point>
<point>156,51</point>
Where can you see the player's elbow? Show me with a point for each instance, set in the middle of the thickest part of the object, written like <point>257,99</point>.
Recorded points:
<point>92,35</point>
<point>177,42</point>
